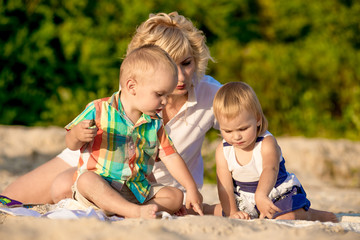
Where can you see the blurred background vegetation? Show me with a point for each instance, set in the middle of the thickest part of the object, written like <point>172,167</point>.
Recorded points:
<point>302,57</point>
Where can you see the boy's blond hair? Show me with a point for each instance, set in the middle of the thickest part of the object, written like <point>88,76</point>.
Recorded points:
<point>142,61</point>
<point>177,36</point>
<point>234,97</point>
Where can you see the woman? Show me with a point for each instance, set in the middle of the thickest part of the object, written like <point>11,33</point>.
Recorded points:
<point>187,116</point>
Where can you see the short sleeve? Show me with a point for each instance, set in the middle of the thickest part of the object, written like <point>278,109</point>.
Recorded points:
<point>88,114</point>
<point>166,146</point>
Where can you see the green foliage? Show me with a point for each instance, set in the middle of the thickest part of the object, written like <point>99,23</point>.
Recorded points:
<point>300,56</point>
<point>303,67</point>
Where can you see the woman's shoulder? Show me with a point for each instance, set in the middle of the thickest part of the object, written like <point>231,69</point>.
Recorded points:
<point>209,82</point>
<point>208,87</point>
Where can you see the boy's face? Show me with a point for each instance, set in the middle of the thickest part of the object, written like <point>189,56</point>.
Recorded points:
<point>240,131</point>
<point>152,91</point>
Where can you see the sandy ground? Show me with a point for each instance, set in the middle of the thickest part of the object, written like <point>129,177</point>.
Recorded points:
<point>328,169</point>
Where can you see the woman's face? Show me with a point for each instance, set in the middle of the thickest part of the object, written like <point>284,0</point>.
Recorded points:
<point>186,69</point>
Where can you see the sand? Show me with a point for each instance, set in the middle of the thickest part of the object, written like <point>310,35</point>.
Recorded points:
<point>328,169</point>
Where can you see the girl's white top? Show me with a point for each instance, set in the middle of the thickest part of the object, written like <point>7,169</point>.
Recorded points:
<point>250,172</point>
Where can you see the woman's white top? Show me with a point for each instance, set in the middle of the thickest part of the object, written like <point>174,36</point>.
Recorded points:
<point>187,130</point>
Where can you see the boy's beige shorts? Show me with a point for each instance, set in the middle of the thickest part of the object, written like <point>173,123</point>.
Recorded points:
<point>125,192</point>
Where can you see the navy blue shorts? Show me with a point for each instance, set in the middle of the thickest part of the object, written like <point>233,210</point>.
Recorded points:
<point>291,201</point>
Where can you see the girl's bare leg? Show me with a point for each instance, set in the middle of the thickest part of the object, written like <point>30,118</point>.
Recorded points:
<point>322,216</point>
<point>94,188</point>
<point>310,215</point>
<point>34,187</point>
<point>214,209</point>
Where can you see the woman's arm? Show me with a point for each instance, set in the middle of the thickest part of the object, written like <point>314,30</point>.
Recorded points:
<point>271,153</point>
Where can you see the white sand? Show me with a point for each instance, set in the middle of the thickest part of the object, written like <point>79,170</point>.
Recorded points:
<point>328,169</point>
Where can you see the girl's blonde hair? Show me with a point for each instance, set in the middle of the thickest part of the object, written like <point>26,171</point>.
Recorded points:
<point>177,36</point>
<point>234,97</point>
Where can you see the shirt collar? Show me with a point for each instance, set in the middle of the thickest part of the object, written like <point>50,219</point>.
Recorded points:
<point>114,101</point>
<point>192,98</point>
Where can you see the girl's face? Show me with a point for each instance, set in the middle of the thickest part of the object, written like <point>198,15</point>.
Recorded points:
<point>186,69</point>
<point>241,130</point>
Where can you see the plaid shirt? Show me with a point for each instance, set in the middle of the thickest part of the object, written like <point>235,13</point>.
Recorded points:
<point>121,152</point>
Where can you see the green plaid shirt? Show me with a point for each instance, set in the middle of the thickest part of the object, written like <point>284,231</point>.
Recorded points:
<point>121,152</point>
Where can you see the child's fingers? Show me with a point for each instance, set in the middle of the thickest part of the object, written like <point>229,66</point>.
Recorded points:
<point>90,132</point>
<point>271,211</point>
<point>93,131</point>
<point>85,123</point>
<point>241,215</point>
<point>275,208</point>
<point>198,209</point>
<point>245,215</point>
<point>266,215</point>
<point>87,135</point>
<point>262,216</point>
<point>88,123</point>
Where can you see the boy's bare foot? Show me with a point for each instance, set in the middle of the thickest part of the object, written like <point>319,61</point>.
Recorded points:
<point>148,211</point>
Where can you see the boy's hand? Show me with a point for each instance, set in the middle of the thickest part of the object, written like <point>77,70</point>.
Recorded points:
<point>240,215</point>
<point>194,200</point>
<point>266,207</point>
<point>85,131</point>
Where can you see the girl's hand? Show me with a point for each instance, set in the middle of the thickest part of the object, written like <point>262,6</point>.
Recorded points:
<point>266,207</point>
<point>240,215</point>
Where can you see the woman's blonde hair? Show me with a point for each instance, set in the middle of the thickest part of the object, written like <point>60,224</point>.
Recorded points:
<point>234,97</point>
<point>177,36</point>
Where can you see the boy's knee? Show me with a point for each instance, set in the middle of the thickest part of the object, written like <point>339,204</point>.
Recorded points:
<point>176,197</point>
<point>86,180</point>
<point>179,196</point>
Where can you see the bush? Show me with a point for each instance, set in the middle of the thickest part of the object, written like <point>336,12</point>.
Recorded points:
<point>301,57</point>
